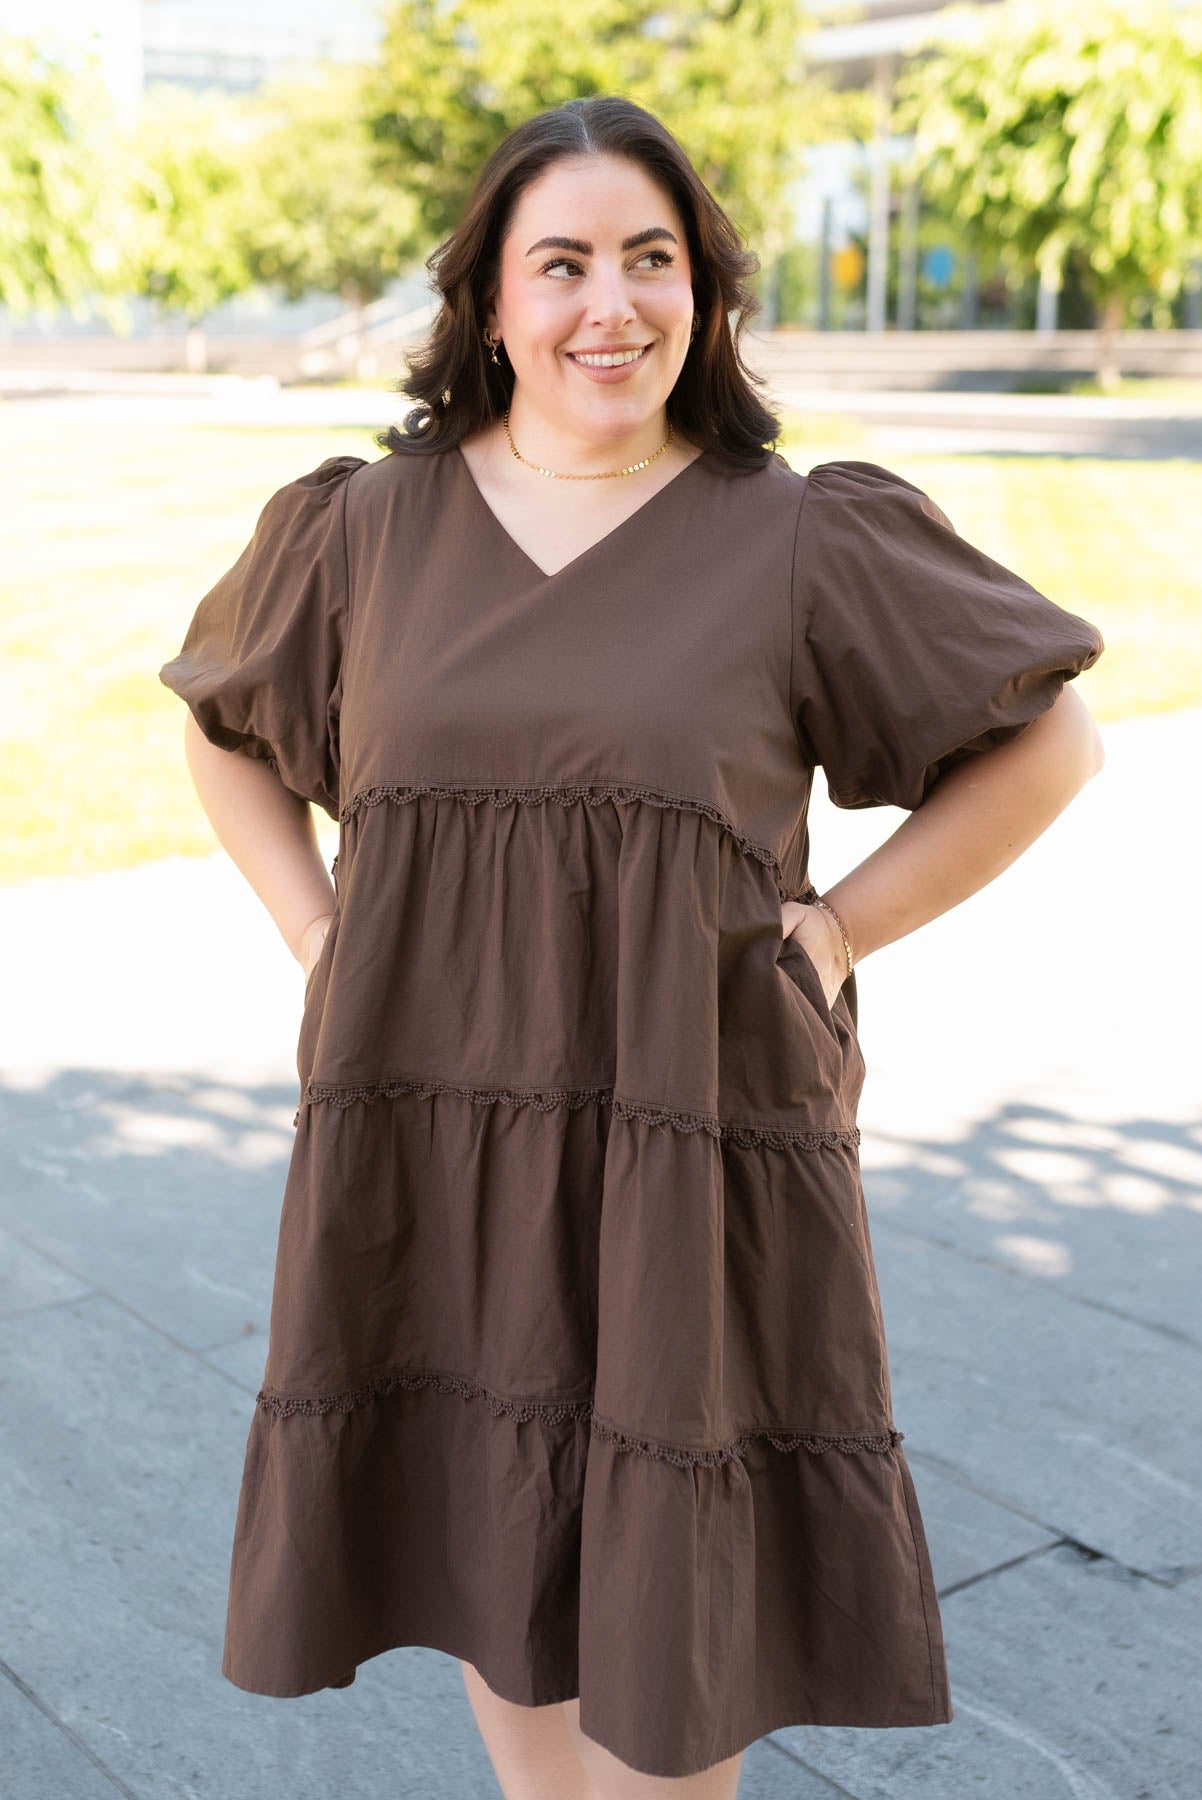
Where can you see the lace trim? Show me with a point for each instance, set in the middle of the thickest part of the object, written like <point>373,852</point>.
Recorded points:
<point>552,1412</point>
<point>556,1412</point>
<point>817,1442</point>
<point>546,1100</point>
<point>593,793</point>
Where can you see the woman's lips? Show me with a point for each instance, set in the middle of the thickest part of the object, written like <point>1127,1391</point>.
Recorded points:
<point>614,371</point>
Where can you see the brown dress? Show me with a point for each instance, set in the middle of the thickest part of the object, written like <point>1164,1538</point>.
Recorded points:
<point>576,1365</point>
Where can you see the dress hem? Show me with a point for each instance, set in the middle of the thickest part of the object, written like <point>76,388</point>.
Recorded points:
<point>899,1719</point>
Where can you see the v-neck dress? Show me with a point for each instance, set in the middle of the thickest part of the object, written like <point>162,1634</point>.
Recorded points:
<point>576,1366</point>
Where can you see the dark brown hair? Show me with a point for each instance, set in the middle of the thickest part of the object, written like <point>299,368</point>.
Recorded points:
<point>461,390</point>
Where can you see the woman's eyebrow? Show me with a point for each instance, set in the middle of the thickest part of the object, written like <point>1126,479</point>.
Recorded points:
<point>630,243</point>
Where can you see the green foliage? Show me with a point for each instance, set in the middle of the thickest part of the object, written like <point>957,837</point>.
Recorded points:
<point>184,190</point>
<point>1067,129</point>
<point>322,214</point>
<point>455,76</point>
<point>796,275</point>
<point>53,193</point>
<point>339,185</point>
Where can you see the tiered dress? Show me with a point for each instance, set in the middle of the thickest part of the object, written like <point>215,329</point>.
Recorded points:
<point>576,1366</point>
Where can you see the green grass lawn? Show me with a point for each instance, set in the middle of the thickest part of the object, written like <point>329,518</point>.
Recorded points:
<point>116,534</point>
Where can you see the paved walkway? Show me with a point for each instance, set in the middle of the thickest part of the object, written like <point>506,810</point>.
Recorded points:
<point>1033,1164</point>
<point>1024,424</point>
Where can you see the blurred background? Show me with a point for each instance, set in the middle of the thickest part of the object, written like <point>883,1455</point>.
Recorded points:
<point>980,237</point>
<point>980,240</point>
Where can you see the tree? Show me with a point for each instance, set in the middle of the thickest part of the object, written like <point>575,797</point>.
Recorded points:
<point>54,126</point>
<point>729,81</point>
<point>322,214</point>
<point>1068,129</point>
<point>184,191</point>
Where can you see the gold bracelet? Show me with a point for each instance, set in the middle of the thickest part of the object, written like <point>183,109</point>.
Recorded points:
<point>842,928</point>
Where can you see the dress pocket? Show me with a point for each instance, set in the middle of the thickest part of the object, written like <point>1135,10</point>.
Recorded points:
<point>316,983</point>
<point>798,966</point>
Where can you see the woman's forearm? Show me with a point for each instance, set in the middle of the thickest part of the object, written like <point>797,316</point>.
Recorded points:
<point>976,821</point>
<point>267,832</point>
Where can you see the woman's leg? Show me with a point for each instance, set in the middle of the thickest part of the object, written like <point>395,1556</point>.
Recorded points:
<point>532,1751</point>
<point>615,1780</point>
<point>540,1753</point>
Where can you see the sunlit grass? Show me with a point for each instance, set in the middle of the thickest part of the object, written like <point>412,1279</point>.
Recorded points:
<point>117,531</point>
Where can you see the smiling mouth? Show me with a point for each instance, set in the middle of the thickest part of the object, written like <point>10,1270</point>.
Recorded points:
<point>609,359</point>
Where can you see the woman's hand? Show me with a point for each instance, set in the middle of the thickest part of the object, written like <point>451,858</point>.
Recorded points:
<point>312,939</point>
<point>819,936</point>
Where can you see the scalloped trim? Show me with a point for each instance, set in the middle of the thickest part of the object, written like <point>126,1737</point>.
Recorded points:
<point>555,1412</point>
<point>816,1442</point>
<point>593,793</point>
<point>547,1099</point>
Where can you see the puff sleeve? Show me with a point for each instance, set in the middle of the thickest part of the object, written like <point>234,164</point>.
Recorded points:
<point>260,666</point>
<point>911,649</point>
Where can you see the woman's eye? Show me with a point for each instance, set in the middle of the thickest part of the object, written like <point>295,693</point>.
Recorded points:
<point>665,258</point>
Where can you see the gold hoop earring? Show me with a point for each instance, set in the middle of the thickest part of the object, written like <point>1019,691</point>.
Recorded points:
<point>492,343</point>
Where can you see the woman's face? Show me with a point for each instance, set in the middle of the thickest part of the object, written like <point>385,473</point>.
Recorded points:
<point>597,291</point>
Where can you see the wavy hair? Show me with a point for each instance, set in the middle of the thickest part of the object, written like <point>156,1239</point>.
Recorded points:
<point>460,390</point>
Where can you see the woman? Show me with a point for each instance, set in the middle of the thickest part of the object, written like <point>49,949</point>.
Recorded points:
<point>576,1366</point>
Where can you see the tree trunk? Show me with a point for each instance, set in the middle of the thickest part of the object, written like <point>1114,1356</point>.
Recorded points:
<point>196,359</point>
<point>1110,319</point>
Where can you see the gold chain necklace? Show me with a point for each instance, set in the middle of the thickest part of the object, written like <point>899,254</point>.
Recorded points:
<point>605,474</point>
